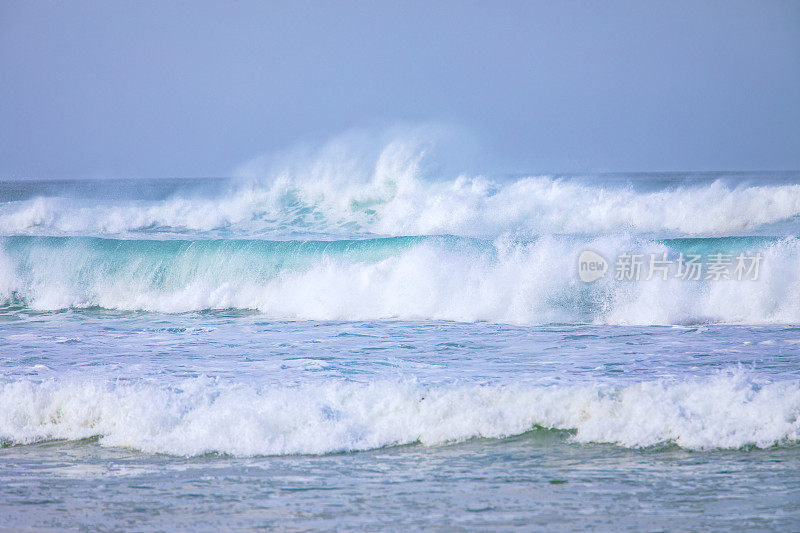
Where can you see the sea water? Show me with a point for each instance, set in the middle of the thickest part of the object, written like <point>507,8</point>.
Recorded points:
<point>398,351</point>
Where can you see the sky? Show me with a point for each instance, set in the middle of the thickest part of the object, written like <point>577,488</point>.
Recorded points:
<point>191,89</point>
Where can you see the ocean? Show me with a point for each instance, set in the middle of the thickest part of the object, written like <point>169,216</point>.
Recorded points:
<point>397,351</point>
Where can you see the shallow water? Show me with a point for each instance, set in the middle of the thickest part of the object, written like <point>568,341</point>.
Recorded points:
<point>532,480</point>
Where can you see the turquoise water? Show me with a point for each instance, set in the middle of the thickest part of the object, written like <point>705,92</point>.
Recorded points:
<point>220,354</point>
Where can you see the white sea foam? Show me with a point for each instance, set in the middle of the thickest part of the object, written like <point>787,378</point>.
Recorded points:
<point>470,206</point>
<point>398,185</point>
<point>201,416</point>
<point>504,281</point>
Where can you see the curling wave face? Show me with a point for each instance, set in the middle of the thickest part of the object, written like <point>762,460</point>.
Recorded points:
<point>413,278</point>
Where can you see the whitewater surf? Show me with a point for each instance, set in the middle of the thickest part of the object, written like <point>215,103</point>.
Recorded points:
<point>362,318</point>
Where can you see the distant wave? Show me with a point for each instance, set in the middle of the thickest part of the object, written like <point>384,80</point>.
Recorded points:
<point>400,186</point>
<point>413,278</point>
<point>476,206</point>
<point>200,416</point>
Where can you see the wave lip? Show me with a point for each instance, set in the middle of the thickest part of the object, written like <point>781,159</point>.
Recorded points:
<point>202,416</point>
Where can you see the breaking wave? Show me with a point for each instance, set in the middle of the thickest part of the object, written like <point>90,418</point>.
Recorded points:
<point>401,185</point>
<point>200,416</point>
<point>412,278</point>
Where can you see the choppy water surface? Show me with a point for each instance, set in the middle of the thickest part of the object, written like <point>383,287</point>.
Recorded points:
<point>400,352</point>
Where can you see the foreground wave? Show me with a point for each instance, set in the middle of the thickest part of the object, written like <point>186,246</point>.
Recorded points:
<point>200,416</point>
<point>409,278</point>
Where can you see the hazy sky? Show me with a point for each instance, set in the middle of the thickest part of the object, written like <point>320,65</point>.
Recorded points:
<point>196,88</point>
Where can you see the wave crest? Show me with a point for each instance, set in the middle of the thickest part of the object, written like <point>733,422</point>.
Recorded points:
<point>400,184</point>
<point>202,416</point>
<point>408,278</point>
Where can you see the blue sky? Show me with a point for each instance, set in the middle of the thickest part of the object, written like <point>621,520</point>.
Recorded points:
<point>171,89</point>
